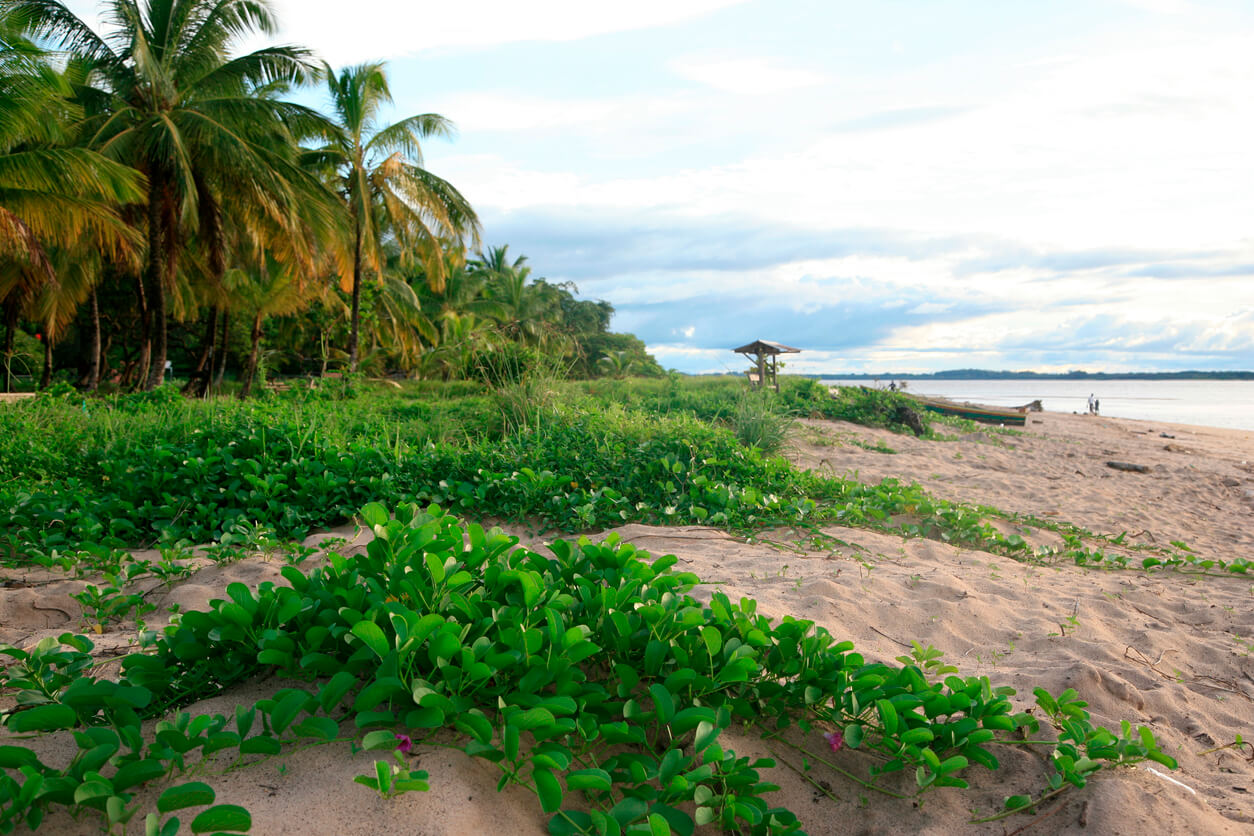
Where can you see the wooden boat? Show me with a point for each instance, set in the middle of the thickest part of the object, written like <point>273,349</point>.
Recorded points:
<point>975,412</point>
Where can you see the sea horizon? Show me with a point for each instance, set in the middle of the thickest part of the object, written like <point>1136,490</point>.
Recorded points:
<point>1228,404</point>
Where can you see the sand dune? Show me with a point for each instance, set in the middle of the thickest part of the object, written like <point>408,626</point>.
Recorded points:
<point>1165,650</point>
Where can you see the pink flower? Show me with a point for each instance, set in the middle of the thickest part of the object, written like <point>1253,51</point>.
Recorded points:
<point>835,739</point>
<point>403,743</point>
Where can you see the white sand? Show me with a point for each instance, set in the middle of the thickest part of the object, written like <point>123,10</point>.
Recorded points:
<point>1163,650</point>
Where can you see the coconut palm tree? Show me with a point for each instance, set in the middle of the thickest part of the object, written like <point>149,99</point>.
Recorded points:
<point>462,293</point>
<point>56,201</point>
<point>186,113</point>
<point>528,310</point>
<point>387,194</point>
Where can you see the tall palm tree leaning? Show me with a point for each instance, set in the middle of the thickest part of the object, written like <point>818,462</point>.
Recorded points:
<point>182,110</point>
<point>377,170</point>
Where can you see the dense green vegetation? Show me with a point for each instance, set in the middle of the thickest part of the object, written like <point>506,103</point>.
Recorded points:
<point>591,677</point>
<point>163,200</point>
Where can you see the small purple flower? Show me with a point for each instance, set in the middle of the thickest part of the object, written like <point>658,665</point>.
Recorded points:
<point>403,743</point>
<point>835,740</point>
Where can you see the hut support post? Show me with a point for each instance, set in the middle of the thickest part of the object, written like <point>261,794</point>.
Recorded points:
<point>761,369</point>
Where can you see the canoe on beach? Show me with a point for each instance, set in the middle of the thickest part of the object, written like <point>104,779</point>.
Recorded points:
<point>975,412</point>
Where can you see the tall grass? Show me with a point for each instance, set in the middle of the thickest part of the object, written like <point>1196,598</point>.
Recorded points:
<point>759,420</point>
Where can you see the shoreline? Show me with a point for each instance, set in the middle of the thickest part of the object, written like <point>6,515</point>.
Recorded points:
<point>1227,403</point>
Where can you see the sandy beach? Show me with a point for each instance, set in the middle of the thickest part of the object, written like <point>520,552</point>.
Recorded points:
<point>1166,650</point>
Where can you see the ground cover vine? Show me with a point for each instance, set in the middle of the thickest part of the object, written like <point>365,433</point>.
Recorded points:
<point>592,677</point>
<point>80,484</point>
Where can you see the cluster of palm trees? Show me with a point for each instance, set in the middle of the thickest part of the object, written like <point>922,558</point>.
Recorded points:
<point>153,179</point>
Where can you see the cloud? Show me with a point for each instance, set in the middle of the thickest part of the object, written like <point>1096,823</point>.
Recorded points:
<point>749,76</point>
<point>370,30</point>
<point>900,117</point>
<point>601,244</point>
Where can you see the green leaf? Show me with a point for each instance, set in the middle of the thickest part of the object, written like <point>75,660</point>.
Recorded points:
<point>713,639</point>
<point>367,781</point>
<point>1017,802</point>
<point>372,636</point>
<point>193,794</point>
<point>474,724</point>
<point>374,514</point>
<point>319,728</point>
<point>888,717</point>
<point>853,735</point>
<point>380,691</point>
<point>282,715</point>
<point>435,566</point>
<point>549,790</point>
<point>43,718</point>
<point>14,757</point>
<point>663,702</point>
<point>224,817</point>
<point>919,735</point>
<point>680,822</point>
<point>629,810</point>
<point>589,779</point>
<point>510,742</point>
<point>707,733</point>
<point>330,695</point>
<point>533,719</point>
<point>571,822</point>
<point>262,744</point>
<point>153,826</point>
<point>90,791</point>
<point>379,740</point>
<point>137,772</point>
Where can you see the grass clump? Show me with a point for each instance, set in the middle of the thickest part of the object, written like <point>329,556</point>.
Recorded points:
<point>759,421</point>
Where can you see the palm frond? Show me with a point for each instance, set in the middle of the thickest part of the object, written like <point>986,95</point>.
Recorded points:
<point>55,22</point>
<point>404,137</point>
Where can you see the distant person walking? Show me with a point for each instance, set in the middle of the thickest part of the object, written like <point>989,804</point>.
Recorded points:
<point>1092,404</point>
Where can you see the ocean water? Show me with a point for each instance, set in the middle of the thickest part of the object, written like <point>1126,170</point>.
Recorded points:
<point>1212,403</point>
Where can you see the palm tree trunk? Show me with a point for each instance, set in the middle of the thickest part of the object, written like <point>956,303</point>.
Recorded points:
<point>162,253</point>
<point>219,359</point>
<point>356,316</point>
<point>45,379</point>
<point>145,332</point>
<point>93,361</point>
<point>156,371</point>
<point>10,329</point>
<point>198,383</point>
<point>250,368</point>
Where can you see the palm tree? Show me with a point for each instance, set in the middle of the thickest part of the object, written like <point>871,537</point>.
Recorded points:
<point>54,199</point>
<point>377,170</point>
<point>275,290</point>
<point>185,113</point>
<point>527,308</point>
<point>462,293</point>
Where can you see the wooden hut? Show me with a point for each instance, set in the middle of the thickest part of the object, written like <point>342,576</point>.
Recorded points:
<point>761,351</point>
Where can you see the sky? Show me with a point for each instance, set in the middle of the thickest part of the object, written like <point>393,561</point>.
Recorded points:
<point>891,186</point>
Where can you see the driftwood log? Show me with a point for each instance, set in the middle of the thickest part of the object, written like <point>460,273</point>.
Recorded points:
<point>1134,468</point>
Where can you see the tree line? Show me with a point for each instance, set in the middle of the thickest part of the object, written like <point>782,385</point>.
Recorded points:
<point>165,204</point>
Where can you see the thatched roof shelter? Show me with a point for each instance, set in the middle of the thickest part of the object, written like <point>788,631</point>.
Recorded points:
<point>761,350</point>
